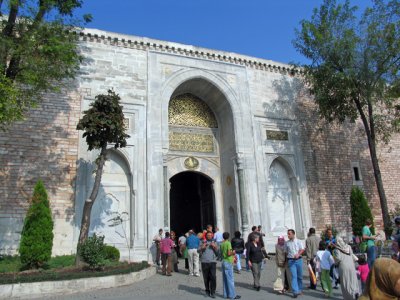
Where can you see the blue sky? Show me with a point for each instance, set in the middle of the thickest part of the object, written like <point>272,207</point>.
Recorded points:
<point>259,28</point>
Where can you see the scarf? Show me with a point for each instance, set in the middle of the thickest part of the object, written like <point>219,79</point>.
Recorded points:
<point>342,246</point>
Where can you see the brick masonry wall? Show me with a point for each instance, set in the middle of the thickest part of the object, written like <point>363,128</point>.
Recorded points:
<point>329,150</point>
<point>44,146</point>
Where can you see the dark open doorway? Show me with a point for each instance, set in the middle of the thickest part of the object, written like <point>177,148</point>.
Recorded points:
<point>191,202</point>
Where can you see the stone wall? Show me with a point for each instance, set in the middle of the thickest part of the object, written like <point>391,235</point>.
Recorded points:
<point>45,147</point>
<point>329,151</point>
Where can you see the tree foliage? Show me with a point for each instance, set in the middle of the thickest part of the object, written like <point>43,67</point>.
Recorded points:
<point>37,234</point>
<point>354,69</point>
<point>38,50</point>
<point>360,211</point>
<point>103,124</point>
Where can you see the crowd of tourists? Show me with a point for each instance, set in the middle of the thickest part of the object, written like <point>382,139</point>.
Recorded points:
<point>329,260</point>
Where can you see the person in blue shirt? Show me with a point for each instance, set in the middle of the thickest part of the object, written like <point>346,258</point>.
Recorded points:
<point>192,244</point>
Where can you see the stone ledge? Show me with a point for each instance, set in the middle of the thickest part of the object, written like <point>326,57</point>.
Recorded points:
<point>46,288</point>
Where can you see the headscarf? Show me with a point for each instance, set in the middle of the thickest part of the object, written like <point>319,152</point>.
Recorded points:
<point>281,241</point>
<point>384,275</point>
<point>342,246</point>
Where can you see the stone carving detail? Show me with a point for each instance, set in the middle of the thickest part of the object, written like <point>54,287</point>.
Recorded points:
<point>192,142</point>
<point>189,110</point>
<point>191,163</point>
<point>277,135</point>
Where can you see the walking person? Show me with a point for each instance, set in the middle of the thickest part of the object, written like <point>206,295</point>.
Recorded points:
<point>209,252</point>
<point>363,271</point>
<point>294,250</point>
<point>166,246</point>
<point>192,244</point>
<point>238,245</point>
<point>330,241</point>
<point>174,252</point>
<point>370,239</point>
<point>228,282</point>
<point>343,255</point>
<point>281,262</point>
<point>312,246</point>
<point>256,257</point>
<point>157,239</point>
<point>218,236</point>
<point>324,260</point>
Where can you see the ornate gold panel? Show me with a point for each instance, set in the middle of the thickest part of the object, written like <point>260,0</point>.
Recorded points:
<point>189,110</point>
<point>191,142</point>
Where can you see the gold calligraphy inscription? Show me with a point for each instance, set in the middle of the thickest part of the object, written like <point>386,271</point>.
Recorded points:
<point>191,142</point>
<point>277,135</point>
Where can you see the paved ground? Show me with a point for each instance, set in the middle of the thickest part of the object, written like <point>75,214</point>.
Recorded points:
<point>182,286</point>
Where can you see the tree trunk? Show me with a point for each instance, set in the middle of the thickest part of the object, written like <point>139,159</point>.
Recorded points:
<point>369,128</point>
<point>87,208</point>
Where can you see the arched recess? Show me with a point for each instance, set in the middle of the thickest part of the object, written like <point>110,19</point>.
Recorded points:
<point>284,209</point>
<point>223,134</point>
<point>112,211</point>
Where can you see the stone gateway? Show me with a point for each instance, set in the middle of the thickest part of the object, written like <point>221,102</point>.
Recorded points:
<point>215,138</point>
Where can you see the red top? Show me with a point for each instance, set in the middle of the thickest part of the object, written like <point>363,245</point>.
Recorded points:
<point>363,270</point>
<point>165,245</point>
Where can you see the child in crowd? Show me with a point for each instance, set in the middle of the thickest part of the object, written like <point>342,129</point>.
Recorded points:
<point>323,262</point>
<point>363,270</point>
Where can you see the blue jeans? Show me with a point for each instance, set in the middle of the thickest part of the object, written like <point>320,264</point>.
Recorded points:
<point>371,255</point>
<point>238,263</point>
<point>228,283</point>
<point>296,269</point>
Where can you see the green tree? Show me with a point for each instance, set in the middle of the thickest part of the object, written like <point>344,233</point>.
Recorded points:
<point>38,49</point>
<point>354,70</point>
<point>360,211</point>
<point>37,234</point>
<point>102,124</point>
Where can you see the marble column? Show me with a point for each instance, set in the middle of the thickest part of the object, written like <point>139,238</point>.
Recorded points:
<point>166,197</point>
<point>244,206</point>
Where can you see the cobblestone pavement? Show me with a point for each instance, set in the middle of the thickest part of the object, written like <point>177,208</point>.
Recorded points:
<point>182,286</point>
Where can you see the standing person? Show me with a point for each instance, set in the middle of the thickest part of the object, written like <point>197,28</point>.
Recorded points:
<point>192,244</point>
<point>218,236</point>
<point>228,282</point>
<point>183,249</point>
<point>330,241</point>
<point>256,257</point>
<point>259,229</point>
<point>281,261</point>
<point>157,239</point>
<point>294,250</point>
<point>370,238</point>
<point>238,245</point>
<point>166,246</point>
<point>363,271</point>
<point>325,261</point>
<point>312,246</point>
<point>347,270</point>
<point>209,253</point>
<point>174,252</point>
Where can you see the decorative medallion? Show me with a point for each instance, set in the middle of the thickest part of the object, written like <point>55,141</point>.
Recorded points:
<point>191,163</point>
<point>189,110</point>
<point>228,180</point>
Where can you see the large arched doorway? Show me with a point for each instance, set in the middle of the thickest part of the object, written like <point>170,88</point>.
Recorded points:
<point>191,202</point>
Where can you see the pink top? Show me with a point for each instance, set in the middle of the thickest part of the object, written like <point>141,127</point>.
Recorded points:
<point>363,270</point>
<point>165,245</point>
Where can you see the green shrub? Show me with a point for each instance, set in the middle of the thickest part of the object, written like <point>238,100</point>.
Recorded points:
<point>360,211</point>
<point>92,251</point>
<point>111,253</point>
<point>37,234</point>
<point>61,261</point>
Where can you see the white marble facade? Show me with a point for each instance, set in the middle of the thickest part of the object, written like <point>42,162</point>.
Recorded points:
<point>255,179</point>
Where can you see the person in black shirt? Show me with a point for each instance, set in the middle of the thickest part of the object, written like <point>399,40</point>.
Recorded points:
<point>255,255</point>
<point>238,245</point>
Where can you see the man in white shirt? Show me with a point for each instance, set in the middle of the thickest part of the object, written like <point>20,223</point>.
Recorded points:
<point>218,236</point>
<point>295,249</point>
